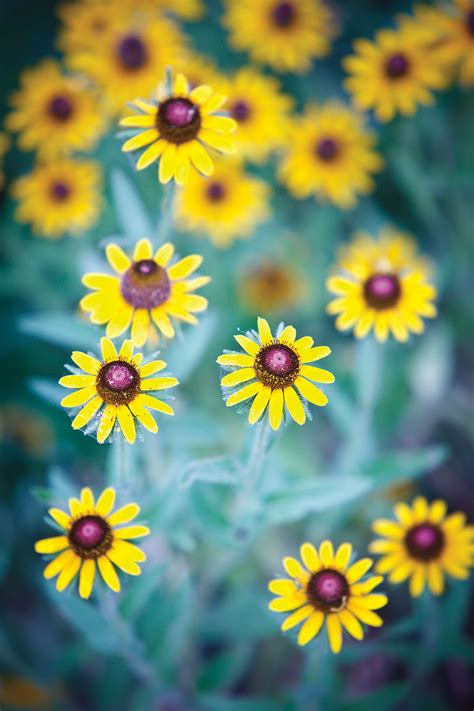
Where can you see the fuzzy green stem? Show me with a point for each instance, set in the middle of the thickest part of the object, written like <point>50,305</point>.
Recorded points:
<point>167,212</point>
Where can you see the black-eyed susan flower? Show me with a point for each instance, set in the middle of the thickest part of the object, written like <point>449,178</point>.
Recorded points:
<point>394,74</point>
<point>330,155</point>
<point>4,147</point>
<point>381,284</point>
<point>85,24</point>
<point>272,367</point>
<point>54,114</point>
<point>327,588</point>
<point>261,111</point>
<point>228,205</point>
<point>176,130</point>
<point>94,536</point>
<point>145,292</point>
<point>115,391</point>
<point>287,35</point>
<point>423,545</point>
<point>271,287</point>
<point>58,198</point>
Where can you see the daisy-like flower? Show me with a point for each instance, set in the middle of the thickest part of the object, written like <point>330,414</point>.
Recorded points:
<point>381,284</point>
<point>85,24</point>
<point>327,588</point>
<point>261,112</point>
<point>424,544</point>
<point>58,198</point>
<point>287,35</point>
<point>145,292</point>
<point>54,114</point>
<point>227,206</point>
<point>4,147</point>
<point>271,287</point>
<point>330,155</point>
<point>115,391</point>
<point>177,128</point>
<point>274,365</point>
<point>393,74</point>
<point>94,537</point>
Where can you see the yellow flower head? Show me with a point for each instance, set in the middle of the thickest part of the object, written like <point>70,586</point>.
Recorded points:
<point>275,365</point>
<point>424,544</point>
<point>261,112</point>
<point>393,74</point>
<point>145,290</point>
<point>114,391</point>
<point>271,287</point>
<point>58,198</point>
<point>286,35</point>
<point>55,114</point>
<point>93,536</point>
<point>327,587</point>
<point>330,155</point>
<point>86,24</point>
<point>227,206</point>
<point>382,286</point>
<point>177,128</point>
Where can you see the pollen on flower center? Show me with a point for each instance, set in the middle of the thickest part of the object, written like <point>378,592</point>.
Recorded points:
<point>118,376</point>
<point>381,291</point>
<point>178,120</point>
<point>90,536</point>
<point>216,191</point>
<point>240,110</point>
<point>284,14</point>
<point>60,191</point>
<point>276,365</point>
<point>60,107</point>
<point>397,66</point>
<point>327,590</point>
<point>132,52</point>
<point>327,149</point>
<point>145,285</point>
<point>425,542</point>
<point>118,383</point>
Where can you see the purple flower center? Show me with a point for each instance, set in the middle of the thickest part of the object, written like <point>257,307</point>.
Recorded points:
<point>132,52</point>
<point>118,376</point>
<point>60,191</point>
<point>425,542</point>
<point>60,107</point>
<point>88,531</point>
<point>179,112</point>
<point>278,360</point>
<point>327,149</point>
<point>178,120</point>
<point>327,589</point>
<point>396,66</point>
<point>381,291</point>
<point>276,365</point>
<point>470,22</point>
<point>216,191</point>
<point>240,110</point>
<point>284,14</point>
<point>145,285</point>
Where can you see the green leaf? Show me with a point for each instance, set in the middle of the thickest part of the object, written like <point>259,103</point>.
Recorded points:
<point>46,389</point>
<point>400,466</point>
<point>64,330</point>
<point>214,470</point>
<point>193,344</point>
<point>130,210</point>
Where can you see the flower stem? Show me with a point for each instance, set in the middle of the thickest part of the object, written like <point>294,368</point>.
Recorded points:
<point>120,474</point>
<point>167,212</point>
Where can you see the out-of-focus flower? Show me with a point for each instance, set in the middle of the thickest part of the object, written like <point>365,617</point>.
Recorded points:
<point>121,384</point>
<point>198,69</point>
<point>393,74</point>
<point>261,112</point>
<point>327,588</point>
<point>86,23</point>
<point>424,544</point>
<point>227,206</point>
<point>26,428</point>
<point>146,290</point>
<point>270,287</point>
<point>4,148</point>
<point>177,127</point>
<point>382,285</point>
<point>286,35</point>
<point>274,365</point>
<point>62,197</point>
<point>93,537</point>
<point>54,113</point>
<point>331,156</point>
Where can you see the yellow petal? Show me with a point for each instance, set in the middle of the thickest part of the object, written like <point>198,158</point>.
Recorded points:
<point>123,562</point>
<point>164,254</point>
<point>294,405</point>
<point>140,326</point>
<point>237,376</point>
<point>51,545</point>
<point>264,331</point>
<point>247,344</point>
<point>244,394</point>
<point>213,103</point>
<point>126,423</point>
<point>357,570</point>
<point>297,617</point>
<point>143,250</point>
<point>310,628</point>
<point>153,367</point>
<point>285,604</point>
<point>200,158</point>
<point>107,421</point>
<point>86,579</point>
<point>60,517</point>
<point>201,94</point>
<point>282,586</point>
<point>108,573</point>
<point>334,631</point>
<point>60,562</point>
<point>293,567</point>
<point>221,124</point>
<point>343,556</point>
<point>310,392</point>
<point>180,85</point>
<point>310,558</point>
<point>351,624</point>
<point>119,322</point>
<point>141,139</point>
<point>159,383</point>
<point>288,334</point>
<point>185,266</point>
<point>77,381</point>
<point>259,404</point>
<point>275,409</point>
<point>319,375</point>
<point>167,163</point>
<point>124,514</point>
<point>87,500</point>
<point>146,121</point>
<point>68,573</point>
<point>108,349</point>
<point>154,404</point>
<point>131,532</point>
<point>311,354</point>
<point>86,362</point>
<point>129,550</point>
<point>182,165</point>
<point>151,154</point>
<point>87,413</point>
<point>105,502</point>
<point>79,397</point>
<point>235,359</point>
<point>117,258</point>
<point>326,553</point>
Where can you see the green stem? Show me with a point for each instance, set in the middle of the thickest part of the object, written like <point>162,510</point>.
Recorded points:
<point>120,474</point>
<point>167,212</point>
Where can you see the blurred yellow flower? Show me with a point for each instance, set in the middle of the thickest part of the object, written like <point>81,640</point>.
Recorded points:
<point>4,148</point>
<point>270,287</point>
<point>274,365</point>
<point>176,128</point>
<point>58,198</point>
<point>86,23</point>
<point>287,35</point>
<point>331,155</point>
<point>94,537</point>
<point>423,545</point>
<point>381,286</point>
<point>227,206</point>
<point>120,382</point>
<point>54,113</point>
<point>198,69</point>
<point>144,292</point>
<point>327,588</point>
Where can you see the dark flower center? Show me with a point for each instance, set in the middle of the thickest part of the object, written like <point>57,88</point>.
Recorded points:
<point>425,542</point>
<point>90,536</point>
<point>381,291</point>
<point>276,365</point>
<point>60,107</point>
<point>284,14</point>
<point>216,191</point>
<point>145,285</point>
<point>178,120</point>
<point>240,110</point>
<point>397,66</point>
<point>118,382</point>
<point>132,52</point>
<point>327,149</point>
<point>327,590</point>
<point>470,22</point>
<point>60,191</point>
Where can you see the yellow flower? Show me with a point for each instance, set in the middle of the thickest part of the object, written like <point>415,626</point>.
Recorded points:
<point>261,112</point>
<point>86,24</point>
<point>331,156</point>
<point>55,114</point>
<point>122,384</point>
<point>4,148</point>
<point>271,287</point>
<point>178,127</point>
<point>227,206</point>
<point>93,537</point>
<point>393,74</point>
<point>144,290</point>
<point>274,365</point>
<point>286,35</point>
<point>424,544</point>
<point>381,286</point>
<point>198,69</point>
<point>59,198</point>
<point>327,588</point>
